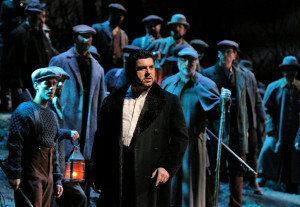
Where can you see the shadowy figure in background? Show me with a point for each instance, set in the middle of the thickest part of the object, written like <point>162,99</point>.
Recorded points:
<point>116,78</point>
<point>110,38</point>
<point>27,48</point>
<point>279,160</point>
<point>200,46</point>
<point>152,27</point>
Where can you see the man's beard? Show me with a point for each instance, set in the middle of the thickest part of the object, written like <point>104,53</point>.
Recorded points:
<point>177,36</point>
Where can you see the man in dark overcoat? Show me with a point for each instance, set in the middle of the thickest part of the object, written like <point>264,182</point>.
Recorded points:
<point>226,75</point>
<point>279,159</point>
<point>140,142</point>
<point>110,38</point>
<point>27,48</point>
<point>200,99</point>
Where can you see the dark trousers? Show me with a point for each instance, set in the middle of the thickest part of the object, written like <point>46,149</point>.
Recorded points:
<point>73,196</point>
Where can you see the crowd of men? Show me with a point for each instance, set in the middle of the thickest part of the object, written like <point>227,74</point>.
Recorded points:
<point>139,113</point>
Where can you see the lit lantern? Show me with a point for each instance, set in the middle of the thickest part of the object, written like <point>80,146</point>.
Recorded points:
<point>75,167</point>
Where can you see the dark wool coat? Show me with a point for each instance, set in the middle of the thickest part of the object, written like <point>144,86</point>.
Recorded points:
<point>103,42</point>
<point>280,146</point>
<point>160,139</point>
<point>26,50</point>
<point>215,73</point>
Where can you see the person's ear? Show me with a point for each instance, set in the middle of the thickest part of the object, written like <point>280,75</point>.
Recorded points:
<point>35,86</point>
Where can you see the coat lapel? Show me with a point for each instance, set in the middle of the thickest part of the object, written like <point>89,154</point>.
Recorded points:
<point>240,82</point>
<point>107,30</point>
<point>95,73</point>
<point>72,62</point>
<point>153,105</point>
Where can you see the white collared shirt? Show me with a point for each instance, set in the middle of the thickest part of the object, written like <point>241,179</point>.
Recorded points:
<point>131,112</point>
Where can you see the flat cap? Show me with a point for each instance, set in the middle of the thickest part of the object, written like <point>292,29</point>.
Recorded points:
<point>199,42</point>
<point>289,63</point>
<point>128,49</point>
<point>179,19</point>
<point>188,51</point>
<point>35,6</point>
<point>228,43</point>
<point>42,74</point>
<point>59,71</point>
<point>116,6</point>
<point>152,17</point>
<point>82,28</point>
<point>175,50</point>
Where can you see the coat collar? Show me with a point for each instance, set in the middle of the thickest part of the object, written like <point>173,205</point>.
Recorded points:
<point>152,107</point>
<point>72,62</point>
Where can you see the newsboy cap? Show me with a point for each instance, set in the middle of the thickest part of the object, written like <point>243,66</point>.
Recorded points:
<point>35,6</point>
<point>289,63</point>
<point>82,28</point>
<point>128,49</point>
<point>188,51</point>
<point>228,43</point>
<point>199,42</point>
<point>116,6</point>
<point>42,74</point>
<point>179,19</point>
<point>175,50</point>
<point>59,71</point>
<point>152,17</point>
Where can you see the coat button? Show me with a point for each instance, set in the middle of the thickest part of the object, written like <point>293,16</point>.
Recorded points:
<point>155,149</point>
<point>155,131</point>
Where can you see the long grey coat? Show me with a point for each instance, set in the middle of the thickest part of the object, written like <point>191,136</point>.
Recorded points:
<point>72,98</point>
<point>273,153</point>
<point>188,185</point>
<point>215,73</point>
<point>160,139</point>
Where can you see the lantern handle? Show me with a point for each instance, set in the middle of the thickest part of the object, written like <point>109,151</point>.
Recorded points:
<point>72,141</point>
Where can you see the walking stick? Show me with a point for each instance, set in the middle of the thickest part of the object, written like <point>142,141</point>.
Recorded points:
<point>222,121</point>
<point>231,152</point>
<point>19,189</point>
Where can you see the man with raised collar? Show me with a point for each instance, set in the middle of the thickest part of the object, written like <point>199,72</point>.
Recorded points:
<point>140,142</point>
<point>83,93</point>
<point>279,158</point>
<point>226,75</point>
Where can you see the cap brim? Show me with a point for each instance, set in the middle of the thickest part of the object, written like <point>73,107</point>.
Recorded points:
<point>289,67</point>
